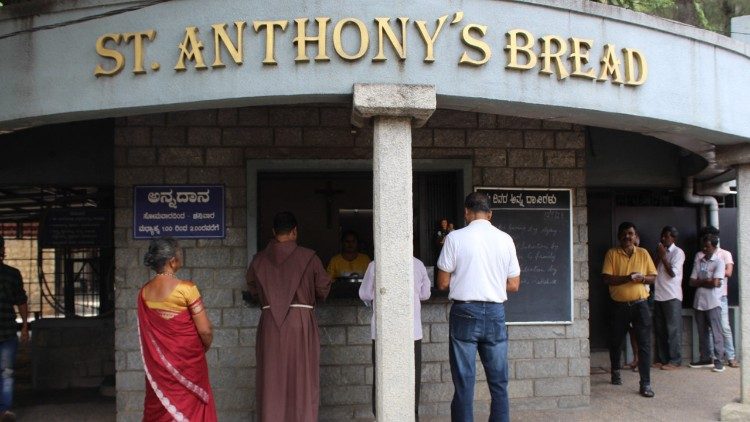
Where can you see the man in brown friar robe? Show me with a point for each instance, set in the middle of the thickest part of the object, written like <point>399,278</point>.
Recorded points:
<point>287,280</point>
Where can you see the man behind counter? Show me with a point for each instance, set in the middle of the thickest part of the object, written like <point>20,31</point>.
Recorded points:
<point>349,260</point>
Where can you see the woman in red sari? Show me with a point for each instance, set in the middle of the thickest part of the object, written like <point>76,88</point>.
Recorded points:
<point>175,333</point>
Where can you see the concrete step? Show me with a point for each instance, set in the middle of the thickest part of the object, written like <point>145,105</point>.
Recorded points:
<point>599,361</point>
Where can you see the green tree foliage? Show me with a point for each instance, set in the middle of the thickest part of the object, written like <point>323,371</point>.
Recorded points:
<point>714,15</point>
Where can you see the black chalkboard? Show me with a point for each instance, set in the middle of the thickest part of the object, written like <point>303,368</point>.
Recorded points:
<point>539,221</point>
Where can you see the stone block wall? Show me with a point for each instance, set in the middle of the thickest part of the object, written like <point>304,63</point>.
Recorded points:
<point>547,369</point>
<point>549,365</point>
<point>71,353</point>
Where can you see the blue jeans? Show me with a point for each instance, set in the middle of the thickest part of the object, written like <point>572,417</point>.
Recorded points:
<point>8,350</point>
<point>478,326</point>
<point>726,332</point>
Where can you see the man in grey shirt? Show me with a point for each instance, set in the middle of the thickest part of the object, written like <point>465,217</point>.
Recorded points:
<point>707,275</point>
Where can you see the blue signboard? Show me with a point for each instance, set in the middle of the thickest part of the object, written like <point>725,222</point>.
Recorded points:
<point>180,211</point>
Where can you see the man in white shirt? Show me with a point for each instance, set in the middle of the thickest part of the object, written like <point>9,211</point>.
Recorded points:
<point>726,329</point>
<point>668,300</point>
<point>480,266</point>
<point>421,292</point>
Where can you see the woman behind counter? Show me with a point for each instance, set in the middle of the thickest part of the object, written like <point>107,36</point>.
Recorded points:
<point>174,333</point>
<point>422,286</point>
<point>349,261</point>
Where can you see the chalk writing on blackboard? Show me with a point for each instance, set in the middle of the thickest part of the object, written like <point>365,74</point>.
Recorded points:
<point>539,221</point>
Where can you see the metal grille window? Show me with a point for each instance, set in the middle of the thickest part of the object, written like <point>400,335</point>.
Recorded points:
<point>60,281</point>
<point>21,252</point>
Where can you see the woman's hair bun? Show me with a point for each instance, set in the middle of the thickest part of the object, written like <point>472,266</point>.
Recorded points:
<point>148,259</point>
<point>160,251</point>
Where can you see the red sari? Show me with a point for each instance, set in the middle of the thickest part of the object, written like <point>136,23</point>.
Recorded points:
<point>177,385</point>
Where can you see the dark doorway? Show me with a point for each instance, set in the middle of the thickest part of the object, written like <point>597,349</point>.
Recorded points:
<point>606,210</point>
<point>326,203</point>
<point>435,198</point>
<point>315,199</point>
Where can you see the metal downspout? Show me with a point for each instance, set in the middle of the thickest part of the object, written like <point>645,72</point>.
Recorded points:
<point>710,201</point>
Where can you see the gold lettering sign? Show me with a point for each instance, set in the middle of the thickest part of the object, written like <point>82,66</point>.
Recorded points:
<point>384,27</point>
<point>513,49</point>
<point>579,56</point>
<point>190,49</point>
<point>110,54</point>
<point>222,38</point>
<point>429,40</point>
<point>138,47</point>
<point>270,26</point>
<point>549,55</point>
<point>610,65</point>
<point>302,40</point>
<point>633,59</point>
<point>476,44</point>
<point>364,39</point>
<point>556,57</point>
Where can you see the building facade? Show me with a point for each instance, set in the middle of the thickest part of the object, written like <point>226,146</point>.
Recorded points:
<point>305,105</point>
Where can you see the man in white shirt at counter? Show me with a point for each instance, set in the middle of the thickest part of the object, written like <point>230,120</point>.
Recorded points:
<point>479,264</point>
<point>422,292</point>
<point>668,300</point>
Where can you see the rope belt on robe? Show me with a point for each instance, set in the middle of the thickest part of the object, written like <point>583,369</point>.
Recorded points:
<point>293,305</point>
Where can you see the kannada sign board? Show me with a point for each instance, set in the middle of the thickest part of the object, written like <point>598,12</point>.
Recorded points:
<point>76,228</point>
<point>540,223</point>
<point>180,211</point>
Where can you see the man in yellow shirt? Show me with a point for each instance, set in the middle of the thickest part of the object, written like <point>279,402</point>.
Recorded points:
<point>349,261</point>
<point>627,269</point>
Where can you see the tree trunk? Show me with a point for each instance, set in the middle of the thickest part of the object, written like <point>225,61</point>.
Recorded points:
<point>686,12</point>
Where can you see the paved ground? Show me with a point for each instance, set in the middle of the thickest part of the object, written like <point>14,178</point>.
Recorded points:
<point>683,395</point>
<point>81,405</point>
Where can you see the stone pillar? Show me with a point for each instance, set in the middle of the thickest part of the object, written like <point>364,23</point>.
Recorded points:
<point>741,411</point>
<point>743,276</point>
<point>393,109</point>
<point>739,156</point>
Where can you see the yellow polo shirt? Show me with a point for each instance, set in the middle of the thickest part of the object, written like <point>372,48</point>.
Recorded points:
<point>340,267</point>
<point>618,263</point>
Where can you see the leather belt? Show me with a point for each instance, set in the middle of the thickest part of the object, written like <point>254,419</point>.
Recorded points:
<point>635,302</point>
<point>473,301</point>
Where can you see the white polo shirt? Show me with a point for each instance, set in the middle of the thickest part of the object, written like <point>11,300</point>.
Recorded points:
<point>668,288</point>
<point>480,258</point>
<point>421,292</point>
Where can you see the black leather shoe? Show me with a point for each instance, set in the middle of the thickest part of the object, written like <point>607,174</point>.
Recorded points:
<point>616,378</point>
<point>646,391</point>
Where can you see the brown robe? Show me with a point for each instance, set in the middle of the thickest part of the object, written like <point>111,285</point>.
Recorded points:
<point>287,349</point>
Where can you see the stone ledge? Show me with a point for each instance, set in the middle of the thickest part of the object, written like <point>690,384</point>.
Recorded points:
<point>735,412</point>
<point>415,101</point>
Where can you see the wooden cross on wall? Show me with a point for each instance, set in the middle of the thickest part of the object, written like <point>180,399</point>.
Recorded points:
<point>329,192</point>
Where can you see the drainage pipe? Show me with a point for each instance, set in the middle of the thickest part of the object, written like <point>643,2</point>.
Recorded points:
<point>709,201</point>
